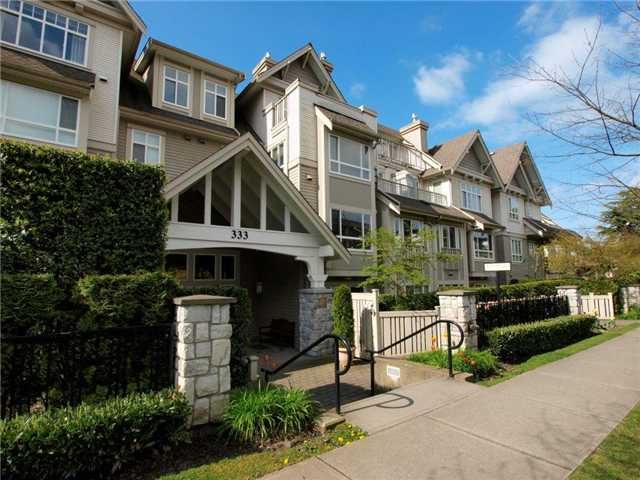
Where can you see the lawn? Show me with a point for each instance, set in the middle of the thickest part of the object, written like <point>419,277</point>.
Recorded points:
<point>618,456</point>
<point>544,358</point>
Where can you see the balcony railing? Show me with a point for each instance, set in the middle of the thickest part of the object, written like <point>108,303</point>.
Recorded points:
<point>388,186</point>
<point>400,154</point>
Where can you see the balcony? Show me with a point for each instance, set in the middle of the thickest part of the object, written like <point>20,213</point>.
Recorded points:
<point>400,155</point>
<point>394,188</point>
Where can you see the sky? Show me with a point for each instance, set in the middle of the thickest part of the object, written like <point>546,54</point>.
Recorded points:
<point>449,63</point>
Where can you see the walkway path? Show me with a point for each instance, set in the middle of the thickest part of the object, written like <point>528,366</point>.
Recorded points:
<point>540,425</point>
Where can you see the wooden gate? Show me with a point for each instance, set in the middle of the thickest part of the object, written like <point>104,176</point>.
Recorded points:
<point>365,316</point>
<point>599,305</point>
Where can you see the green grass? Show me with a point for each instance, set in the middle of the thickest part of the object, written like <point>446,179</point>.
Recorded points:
<point>544,358</point>
<point>257,464</point>
<point>617,457</point>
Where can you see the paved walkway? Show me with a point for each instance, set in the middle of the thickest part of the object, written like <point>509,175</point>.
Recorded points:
<point>540,425</point>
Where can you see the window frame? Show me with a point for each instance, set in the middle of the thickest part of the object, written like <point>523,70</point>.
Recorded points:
<point>281,146</point>
<point>517,258</point>
<point>57,128</point>
<point>471,190</point>
<point>341,237</point>
<point>514,211</point>
<point>146,133</point>
<point>280,105</point>
<point>235,267</point>
<point>44,22</point>
<point>365,152</point>
<point>176,80</point>
<point>490,252</point>
<point>448,228</point>
<point>186,268</point>
<point>215,267</point>
<point>206,91</point>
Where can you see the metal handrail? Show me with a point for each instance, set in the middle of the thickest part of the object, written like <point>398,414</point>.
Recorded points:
<point>337,371</point>
<point>373,353</point>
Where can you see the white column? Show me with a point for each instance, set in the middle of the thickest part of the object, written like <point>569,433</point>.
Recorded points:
<point>237,192</point>
<point>207,199</point>
<point>315,271</point>
<point>174,208</point>
<point>263,204</point>
<point>573,295</point>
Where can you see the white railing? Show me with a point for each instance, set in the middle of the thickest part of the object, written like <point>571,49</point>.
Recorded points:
<point>400,154</point>
<point>395,188</point>
<point>599,305</point>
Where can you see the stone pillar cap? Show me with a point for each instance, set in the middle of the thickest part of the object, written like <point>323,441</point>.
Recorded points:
<point>567,286</point>
<point>456,293</point>
<point>204,300</point>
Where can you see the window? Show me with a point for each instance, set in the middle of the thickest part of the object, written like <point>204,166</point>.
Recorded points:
<point>279,112</point>
<point>191,203</point>
<point>351,228</point>
<point>275,211</point>
<point>482,245</point>
<point>145,147</point>
<point>450,239</point>
<point>528,208</point>
<point>516,250</point>
<point>349,158</point>
<point>215,99</point>
<point>44,31</point>
<point>471,197</point>
<point>277,153</point>
<point>176,86</point>
<point>176,264</point>
<point>221,194</point>
<point>514,214</point>
<point>205,267</point>
<point>227,267</point>
<point>36,114</point>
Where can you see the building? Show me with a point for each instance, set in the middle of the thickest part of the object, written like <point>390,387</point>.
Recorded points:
<point>274,188</point>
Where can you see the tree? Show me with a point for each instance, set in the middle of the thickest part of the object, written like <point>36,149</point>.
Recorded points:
<point>622,216</point>
<point>401,263</point>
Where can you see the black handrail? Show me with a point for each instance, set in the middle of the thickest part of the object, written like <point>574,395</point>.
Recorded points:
<point>373,353</point>
<point>336,359</point>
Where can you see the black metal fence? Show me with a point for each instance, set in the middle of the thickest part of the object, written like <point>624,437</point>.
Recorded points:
<point>67,368</point>
<point>519,310</point>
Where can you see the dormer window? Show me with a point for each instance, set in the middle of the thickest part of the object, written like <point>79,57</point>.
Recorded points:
<point>514,213</point>
<point>471,197</point>
<point>44,31</point>
<point>176,87</point>
<point>215,99</point>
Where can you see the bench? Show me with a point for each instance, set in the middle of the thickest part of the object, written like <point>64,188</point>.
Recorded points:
<point>280,332</point>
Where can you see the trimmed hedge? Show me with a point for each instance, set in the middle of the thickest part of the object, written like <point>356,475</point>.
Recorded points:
<point>91,441</point>
<point>524,289</point>
<point>342,313</point>
<point>516,343</point>
<point>415,301</point>
<point>72,214</point>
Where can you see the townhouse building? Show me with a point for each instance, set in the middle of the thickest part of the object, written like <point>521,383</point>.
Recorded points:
<point>276,187</point>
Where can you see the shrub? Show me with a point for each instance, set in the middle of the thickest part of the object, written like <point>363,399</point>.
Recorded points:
<point>632,314</point>
<point>144,298</point>
<point>72,214</point>
<point>268,413</point>
<point>523,289</point>
<point>519,342</point>
<point>481,363</point>
<point>91,441</point>
<point>342,312</point>
<point>414,301</point>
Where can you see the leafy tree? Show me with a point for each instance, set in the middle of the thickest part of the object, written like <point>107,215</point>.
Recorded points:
<point>342,312</point>
<point>622,216</point>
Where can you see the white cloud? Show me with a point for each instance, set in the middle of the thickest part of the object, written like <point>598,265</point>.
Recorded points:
<point>438,85</point>
<point>540,18</point>
<point>357,90</point>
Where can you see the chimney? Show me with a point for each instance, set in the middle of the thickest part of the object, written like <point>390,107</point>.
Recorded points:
<point>416,133</point>
<point>327,64</point>
<point>263,65</point>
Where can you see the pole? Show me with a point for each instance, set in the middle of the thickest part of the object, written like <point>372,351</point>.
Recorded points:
<point>449,355</point>
<point>498,278</point>
<point>336,365</point>
<point>373,374</point>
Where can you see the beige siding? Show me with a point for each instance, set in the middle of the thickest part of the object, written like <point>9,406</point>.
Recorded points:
<point>471,162</point>
<point>305,75</point>
<point>350,193</point>
<point>299,175</point>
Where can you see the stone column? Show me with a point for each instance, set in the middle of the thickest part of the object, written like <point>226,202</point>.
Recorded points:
<point>315,319</point>
<point>630,297</point>
<point>460,306</point>
<point>573,295</point>
<point>203,353</point>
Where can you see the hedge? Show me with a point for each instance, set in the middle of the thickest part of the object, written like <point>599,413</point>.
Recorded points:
<point>91,441</point>
<point>342,313</point>
<point>414,301</point>
<point>72,214</point>
<point>516,343</point>
<point>523,289</point>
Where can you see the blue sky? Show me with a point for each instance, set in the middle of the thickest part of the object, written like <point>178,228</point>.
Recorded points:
<point>446,62</point>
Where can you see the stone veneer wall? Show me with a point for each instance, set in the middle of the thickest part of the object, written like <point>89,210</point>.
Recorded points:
<point>630,297</point>
<point>460,306</point>
<point>315,319</point>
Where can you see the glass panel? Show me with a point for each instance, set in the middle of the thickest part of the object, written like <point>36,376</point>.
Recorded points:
<point>295,224</point>
<point>275,211</point>
<point>139,137</point>
<point>138,152</point>
<point>183,92</point>
<point>73,25</point>
<point>205,267</point>
<point>183,76</point>
<point>227,267</point>
<point>31,131</point>
<point>350,152</point>
<point>350,243</point>
<point>30,31</point>
<point>170,72</point>
<point>75,48</point>
<point>191,204</point>
<point>221,90</point>
<point>27,8</point>
<point>250,204</point>
<point>335,167</point>
<point>68,138</point>
<point>335,221</point>
<point>9,26</point>
<point>33,105</point>
<point>176,264</point>
<point>83,28</point>
<point>221,184</point>
<point>62,22</point>
<point>68,113</point>
<point>349,170</point>
<point>169,91</point>
<point>221,106</point>
<point>351,224</point>
<point>210,86</point>
<point>209,103</point>
<point>53,41</point>
<point>153,156</point>
<point>153,139</point>
<point>333,148</point>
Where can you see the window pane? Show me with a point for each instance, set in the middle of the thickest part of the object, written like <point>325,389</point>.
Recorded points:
<point>68,113</point>
<point>32,131</point>
<point>183,76</point>
<point>250,194</point>
<point>210,86</point>
<point>170,72</point>
<point>221,106</point>
<point>350,152</point>
<point>351,243</point>
<point>209,103</point>
<point>30,31</point>
<point>335,167</point>
<point>67,138</point>
<point>169,91</point>
<point>138,152</point>
<point>9,26</point>
<point>75,48</point>
<point>349,170</point>
<point>227,267</point>
<point>205,267</point>
<point>153,156</point>
<point>222,184</point>
<point>153,139</point>
<point>139,137</point>
<point>176,264</point>
<point>53,41</point>
<point>221,90</point>
<point>335,221</point>
<point>333,148</point>
<point>295,224</point>
<point>183,92</point>
<point>351,224</point>
<point>275,211</point>
<point>33,105</point>
<point>191,204</point>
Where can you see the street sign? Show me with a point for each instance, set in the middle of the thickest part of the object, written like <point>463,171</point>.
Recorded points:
<point>497,267</point>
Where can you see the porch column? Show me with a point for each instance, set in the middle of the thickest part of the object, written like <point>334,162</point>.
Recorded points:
<point>572,293</point>
<point>460,306</point>
<point>315,319</point>
<point>315,271</point>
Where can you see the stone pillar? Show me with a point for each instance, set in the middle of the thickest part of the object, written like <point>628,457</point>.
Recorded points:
<point>460,306</point>
<point>630,297</point>
<point>203,353</point>
<point>573,295</point>
<point>315,319</point>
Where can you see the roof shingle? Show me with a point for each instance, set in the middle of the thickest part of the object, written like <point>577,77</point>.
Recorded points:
<point>506,160</point>
<point>448,153</point>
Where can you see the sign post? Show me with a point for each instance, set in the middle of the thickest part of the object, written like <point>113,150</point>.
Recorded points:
<point>498,268</point>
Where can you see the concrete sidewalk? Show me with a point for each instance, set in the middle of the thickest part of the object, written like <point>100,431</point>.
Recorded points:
<point>540,425</point>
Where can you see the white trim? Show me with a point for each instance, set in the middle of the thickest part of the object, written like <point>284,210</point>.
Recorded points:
<point>205,91</point>
<point>470,190</point>
<point>489,253</point>
<point>517,258</point>
<point>146,145</point>
<point>176,81</point>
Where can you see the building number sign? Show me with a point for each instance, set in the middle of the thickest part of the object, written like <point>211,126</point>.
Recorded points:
<point>239,235</point>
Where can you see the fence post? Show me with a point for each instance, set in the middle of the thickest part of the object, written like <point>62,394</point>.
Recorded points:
<point>460,306</point>
<point>573,296</point>
<point>203,354</point>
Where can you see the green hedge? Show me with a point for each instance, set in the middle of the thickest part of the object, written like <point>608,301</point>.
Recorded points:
<point>415,301</point>
<point>342,313</point>
<point>91,441</point>
<point>523,289</point>
<point>516,343</point>
<point>480,363</point>
<point>72,214</point>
